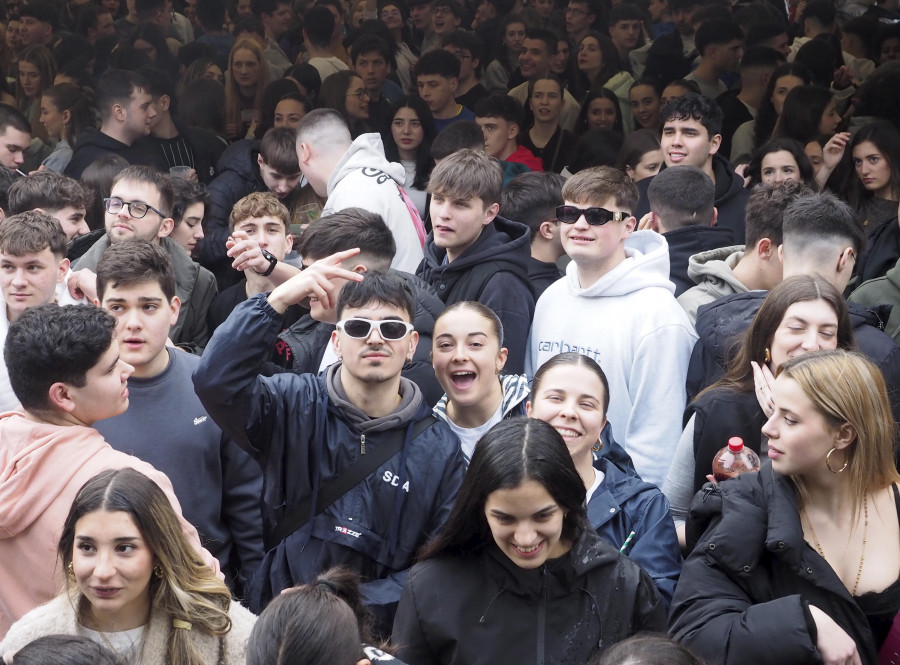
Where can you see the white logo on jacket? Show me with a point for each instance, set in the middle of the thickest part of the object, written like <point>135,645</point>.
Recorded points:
<point>394,480</point>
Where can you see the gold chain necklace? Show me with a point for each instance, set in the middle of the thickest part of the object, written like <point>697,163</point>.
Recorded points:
<point>862,556</point>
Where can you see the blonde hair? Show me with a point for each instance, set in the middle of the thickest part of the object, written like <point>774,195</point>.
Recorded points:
<point>846,387</point>
<point>182,587</point>
<point>232,93</point>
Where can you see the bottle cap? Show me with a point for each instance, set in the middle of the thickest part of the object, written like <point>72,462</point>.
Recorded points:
<point>735,444</point>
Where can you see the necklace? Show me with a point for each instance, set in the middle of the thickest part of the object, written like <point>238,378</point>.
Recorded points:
<point>862,556</point>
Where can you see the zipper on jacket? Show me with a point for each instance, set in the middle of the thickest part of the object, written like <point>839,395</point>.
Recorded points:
<point>362,444</point>
<point>542,617</point>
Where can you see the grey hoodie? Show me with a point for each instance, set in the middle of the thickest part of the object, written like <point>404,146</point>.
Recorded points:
<point>711,270</point>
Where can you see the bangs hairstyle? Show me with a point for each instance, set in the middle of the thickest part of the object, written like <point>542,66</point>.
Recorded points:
<point>482,310</point>
<point>512,452</point>
<point>468,174</point>
<point>758,337</point>
<point>571,358</point>
<point>132,262</point>
<point>259,204</point>
<point>279,152</point>
<point>846,387</point>
<point>31,232</point>
<point>377,288</point>
<point>598,185</point>
<point>188,590</point>
<point>147,175</point>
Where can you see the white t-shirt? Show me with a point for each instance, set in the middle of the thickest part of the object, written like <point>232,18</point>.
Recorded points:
<point>468,436</point>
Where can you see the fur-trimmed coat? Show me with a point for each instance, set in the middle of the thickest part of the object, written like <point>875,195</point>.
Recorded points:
<point>58,617</point>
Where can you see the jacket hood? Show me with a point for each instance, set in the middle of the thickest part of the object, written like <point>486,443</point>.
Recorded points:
<point>875,316</point>
<point>691,240</point>
<point>240,157</point>
<point>30,476</point>
<point>366,152</point>
<point>714,267</point>
<point>502,240</point>
<point>729,185</point>
<point>646,264</point>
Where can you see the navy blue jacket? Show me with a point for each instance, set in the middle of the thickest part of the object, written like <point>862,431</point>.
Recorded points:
<point>624,503</point>
<point>493,271</point>
<point>302,440</point>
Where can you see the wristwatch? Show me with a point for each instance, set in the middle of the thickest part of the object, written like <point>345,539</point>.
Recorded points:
<point>268,256</point>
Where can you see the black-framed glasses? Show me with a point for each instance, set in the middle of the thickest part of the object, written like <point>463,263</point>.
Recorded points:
<point>593,216</point>
<point>390,329</point>
<point>137,209</point>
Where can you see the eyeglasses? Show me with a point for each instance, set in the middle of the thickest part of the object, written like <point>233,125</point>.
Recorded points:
<point>390,329</point>
<point>137,209</point>
<point>593,216</point>
<point>359,94</point>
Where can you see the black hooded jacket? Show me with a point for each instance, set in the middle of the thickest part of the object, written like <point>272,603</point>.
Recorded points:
<point>731,198</point>
<point>494,272</point>
<point>94,144</point>
<point>687,241</point>
<point>481,608</point>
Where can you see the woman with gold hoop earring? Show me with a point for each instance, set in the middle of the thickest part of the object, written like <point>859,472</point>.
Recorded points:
<point>801,314</point>
<point>134,584</point>
<point>571,393</point>
<point>799,563</point>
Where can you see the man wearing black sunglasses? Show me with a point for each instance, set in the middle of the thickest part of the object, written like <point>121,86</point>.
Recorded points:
<point>616,306</point>
<point>356,471</point>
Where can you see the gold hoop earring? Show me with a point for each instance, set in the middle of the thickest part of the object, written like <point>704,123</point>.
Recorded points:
<point>597,446</point>
<point>71,569</point>
<point>828,462</point>
<point>158,571</point>
<point>768,356</point>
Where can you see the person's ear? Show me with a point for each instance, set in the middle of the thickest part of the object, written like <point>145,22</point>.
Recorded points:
<point>336,343</point>
<point>715,216</point>
<point>413,343</point>
<point>846,260</point>
<point>304,154</point>
<point>66,117</point>
<point>168,224</point>
<point>60,397</point>
<point>364,661</point>
<point>492,211</point>
<point>529,410</point>
<point>844,435</point>
<point>174,309</point>
<point>164,103</point>
<point>765,248</point>
<point>260,161</point>
<point>454,84</point>
<point>501,358</point>
<point>61,270</point>
<point>715,143</point>
<point>654,222</point>
<point>513,131</point>
<point>546,229</point>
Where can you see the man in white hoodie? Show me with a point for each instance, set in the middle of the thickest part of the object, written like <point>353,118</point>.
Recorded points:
<point>356,174</point>
<point>616,305</point>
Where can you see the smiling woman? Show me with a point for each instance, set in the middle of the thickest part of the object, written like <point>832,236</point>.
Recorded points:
<point>133,582</point>
<point>517,574</point>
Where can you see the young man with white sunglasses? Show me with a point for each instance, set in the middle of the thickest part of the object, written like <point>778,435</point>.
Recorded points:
<point>616,305</point>
<point>356,471</point>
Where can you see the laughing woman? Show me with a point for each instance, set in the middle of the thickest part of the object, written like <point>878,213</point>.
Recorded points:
<point>517,574</point>
<point>134,584</point>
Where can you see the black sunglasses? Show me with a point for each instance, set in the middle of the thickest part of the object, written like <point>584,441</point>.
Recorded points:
<point>593,216</point>
<point>361,328</point>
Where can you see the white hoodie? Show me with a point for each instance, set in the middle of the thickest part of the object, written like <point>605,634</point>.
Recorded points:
<point>364,178</point>
<point>629,322</point>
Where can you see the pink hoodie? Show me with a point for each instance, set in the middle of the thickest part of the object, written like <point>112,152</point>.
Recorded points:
<point>42,467</point>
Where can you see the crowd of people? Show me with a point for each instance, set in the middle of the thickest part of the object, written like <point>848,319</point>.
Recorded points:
<point>409,330</point>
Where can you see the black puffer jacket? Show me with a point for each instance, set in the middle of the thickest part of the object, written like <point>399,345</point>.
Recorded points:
<point>238,176</point>
<point>494,272</point>
<point>720,325</point>
<point>744,593</point>
<point>482,609</point>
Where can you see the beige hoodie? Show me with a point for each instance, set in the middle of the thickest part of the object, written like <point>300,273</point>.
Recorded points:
<point>42,467</point>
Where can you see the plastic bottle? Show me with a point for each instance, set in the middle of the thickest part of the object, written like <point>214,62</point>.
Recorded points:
<point>734,459</point>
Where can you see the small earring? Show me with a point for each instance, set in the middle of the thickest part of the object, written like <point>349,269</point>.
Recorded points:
<point>768,356</point>
<point>158,571</point>
<point>71,569</point>
<point>597,446</point>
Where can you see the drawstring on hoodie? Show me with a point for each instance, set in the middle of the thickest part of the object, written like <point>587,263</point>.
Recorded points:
<point>483,618</point>
<point>595,607</point>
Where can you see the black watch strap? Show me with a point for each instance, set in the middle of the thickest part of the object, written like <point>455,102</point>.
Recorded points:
<point>268,256</point>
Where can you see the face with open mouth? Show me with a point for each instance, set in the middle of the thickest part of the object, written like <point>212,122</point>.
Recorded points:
<point>113,566</point>
<point>467,358</point>
<point>526,524</point>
